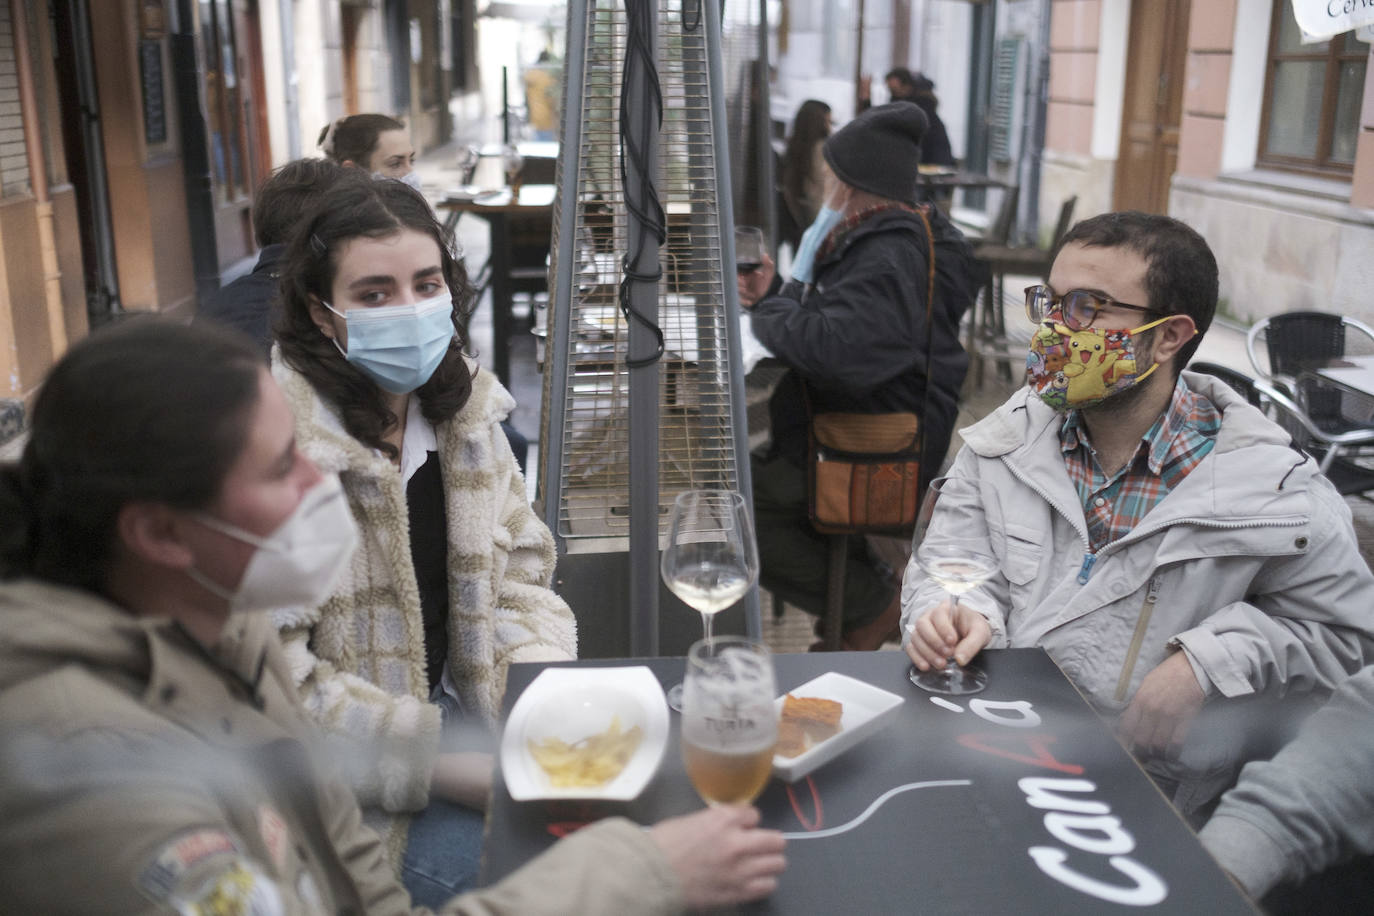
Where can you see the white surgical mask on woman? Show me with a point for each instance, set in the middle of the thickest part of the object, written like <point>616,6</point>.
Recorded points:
<point>299,563</point>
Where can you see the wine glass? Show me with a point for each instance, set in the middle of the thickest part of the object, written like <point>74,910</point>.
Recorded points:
<point>729,721</point>
<point>468,158</point>
<point>512,162</point>
<point>958,563</point>
<point>748,249</point>
<point>711,560</point>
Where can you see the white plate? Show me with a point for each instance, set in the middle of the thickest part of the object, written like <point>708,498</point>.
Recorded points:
<point>462,192</point>
<point>573,703</point>
<point>865,708</point>
<point>470,192</point>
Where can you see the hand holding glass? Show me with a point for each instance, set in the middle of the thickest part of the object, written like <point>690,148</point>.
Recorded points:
<point>729,722</point>
<point>959,564</point>
<point>711,559</point>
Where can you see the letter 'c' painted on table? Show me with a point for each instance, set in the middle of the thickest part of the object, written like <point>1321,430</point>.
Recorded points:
<point>1147,890</point>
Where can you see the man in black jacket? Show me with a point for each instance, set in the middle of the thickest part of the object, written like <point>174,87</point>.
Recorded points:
<point>283,200</point>
<point>851,326</point>
<point>905,86</point>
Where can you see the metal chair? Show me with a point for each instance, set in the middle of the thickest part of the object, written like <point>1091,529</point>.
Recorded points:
<point>987,337</point>
<point>1332,450</point>
<point>1298,341</point>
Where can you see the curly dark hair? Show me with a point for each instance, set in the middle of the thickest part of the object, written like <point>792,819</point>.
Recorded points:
<point>355,206</point>
<point>286,196</point>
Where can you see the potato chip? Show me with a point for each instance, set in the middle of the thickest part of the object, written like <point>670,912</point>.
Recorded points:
<point>591,761</point>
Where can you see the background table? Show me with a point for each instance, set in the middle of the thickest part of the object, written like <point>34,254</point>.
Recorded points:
<point>535,201</point>
<point>957,178</point>
<point>970,847</point>
<point>1353,372</point>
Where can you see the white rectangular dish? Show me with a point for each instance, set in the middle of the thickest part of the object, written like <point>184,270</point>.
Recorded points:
<point>865,709</point>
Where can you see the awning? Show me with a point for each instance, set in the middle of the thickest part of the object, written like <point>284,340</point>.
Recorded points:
<point>526,10</point>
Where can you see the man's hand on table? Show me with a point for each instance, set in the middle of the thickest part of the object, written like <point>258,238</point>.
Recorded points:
<point>1162,710</point>
<point>947,631</point>
<point>721,856</point>
<point>753,285</point>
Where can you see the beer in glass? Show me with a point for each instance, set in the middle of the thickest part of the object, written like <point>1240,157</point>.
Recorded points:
<point>729,722</point>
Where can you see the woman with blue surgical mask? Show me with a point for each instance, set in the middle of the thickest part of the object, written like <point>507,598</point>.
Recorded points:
<point>449,584</point>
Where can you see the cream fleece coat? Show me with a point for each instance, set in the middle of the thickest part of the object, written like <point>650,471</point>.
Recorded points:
<point>359,659</point>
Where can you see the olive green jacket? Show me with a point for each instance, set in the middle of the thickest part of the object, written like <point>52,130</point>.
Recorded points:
<point>142,773</point>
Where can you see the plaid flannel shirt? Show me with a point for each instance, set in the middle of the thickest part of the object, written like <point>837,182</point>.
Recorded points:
<point>1169,450</point>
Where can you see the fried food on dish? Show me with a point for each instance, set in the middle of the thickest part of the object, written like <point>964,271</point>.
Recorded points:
<point>806,722</point>
<point>591,761</point>
<point>791,739</point>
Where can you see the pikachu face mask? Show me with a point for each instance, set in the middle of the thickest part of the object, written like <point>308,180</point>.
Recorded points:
<point>1070,369</point>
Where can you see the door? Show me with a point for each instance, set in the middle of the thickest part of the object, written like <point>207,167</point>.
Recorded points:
<point>235,155</point>
<point>1153,108</point>
<point>349,22</point>
<point>80,112</point>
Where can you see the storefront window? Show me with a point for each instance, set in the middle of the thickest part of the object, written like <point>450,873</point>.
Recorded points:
<point>224,101</point>
<point>1312,98</point>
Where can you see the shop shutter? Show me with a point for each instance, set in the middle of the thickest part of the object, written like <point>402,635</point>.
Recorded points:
<point>14,163</point>
<point>1001,114</point>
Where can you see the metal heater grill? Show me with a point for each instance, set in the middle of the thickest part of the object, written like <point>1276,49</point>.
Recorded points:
<point>589,389</point>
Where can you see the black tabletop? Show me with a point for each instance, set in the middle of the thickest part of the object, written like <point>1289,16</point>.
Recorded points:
<point>1018,799</point>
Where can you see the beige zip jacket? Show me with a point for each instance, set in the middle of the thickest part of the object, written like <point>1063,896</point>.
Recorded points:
<point>1249,565</point>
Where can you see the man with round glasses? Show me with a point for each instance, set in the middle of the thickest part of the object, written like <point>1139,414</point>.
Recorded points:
<point>1195,576</point>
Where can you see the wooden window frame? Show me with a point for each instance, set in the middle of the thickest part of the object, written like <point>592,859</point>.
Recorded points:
<point>1321,164</point>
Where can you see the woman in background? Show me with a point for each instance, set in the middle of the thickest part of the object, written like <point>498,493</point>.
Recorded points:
<point>450,584</point>
<point>375,143</point>
<point>803,167</point>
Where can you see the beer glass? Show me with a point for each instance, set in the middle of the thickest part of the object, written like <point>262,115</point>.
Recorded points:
<point>729,722</point>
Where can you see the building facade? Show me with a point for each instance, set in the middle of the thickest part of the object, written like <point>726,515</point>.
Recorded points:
<point>133,134</point>
<point>1221,115</point>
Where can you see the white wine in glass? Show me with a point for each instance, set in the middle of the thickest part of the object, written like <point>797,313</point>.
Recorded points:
<point>711,560</point>
<point>959,564</point>
<point>729,722</point>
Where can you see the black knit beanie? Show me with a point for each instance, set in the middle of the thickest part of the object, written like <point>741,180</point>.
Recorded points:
<point>879,150</point>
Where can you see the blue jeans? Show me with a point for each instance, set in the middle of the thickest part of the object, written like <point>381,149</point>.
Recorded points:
<point>443,853</point>
<point>444,845</point>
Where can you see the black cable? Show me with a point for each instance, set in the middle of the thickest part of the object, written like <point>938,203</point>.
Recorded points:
<point>691,14</point>
<point>642,199</point>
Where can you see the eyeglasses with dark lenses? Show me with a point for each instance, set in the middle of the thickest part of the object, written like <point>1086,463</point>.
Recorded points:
<point>1078,307</point>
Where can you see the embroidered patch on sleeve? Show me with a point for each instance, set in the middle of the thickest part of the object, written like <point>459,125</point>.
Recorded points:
<point>180,855</point>
<point>239,889</point>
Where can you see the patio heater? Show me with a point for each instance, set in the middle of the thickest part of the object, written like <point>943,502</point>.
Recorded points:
<point>643,382</point>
